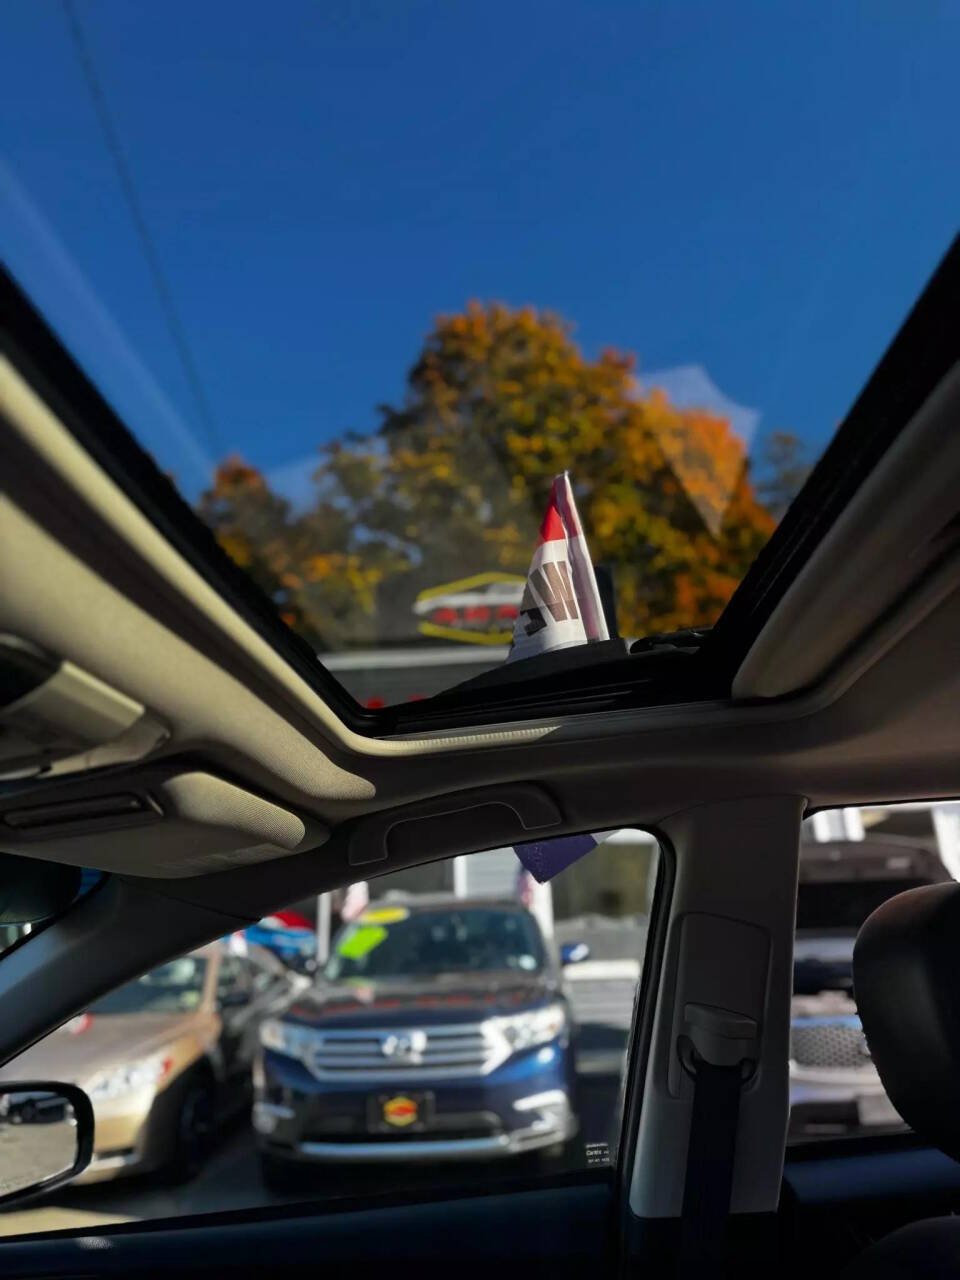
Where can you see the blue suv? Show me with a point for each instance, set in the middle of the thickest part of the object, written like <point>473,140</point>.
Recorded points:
<point>438,1030</point>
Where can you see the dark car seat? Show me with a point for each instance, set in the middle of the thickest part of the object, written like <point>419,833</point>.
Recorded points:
<point>906,973</point>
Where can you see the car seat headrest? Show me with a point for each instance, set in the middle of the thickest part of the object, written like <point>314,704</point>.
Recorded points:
<point>906,975</point>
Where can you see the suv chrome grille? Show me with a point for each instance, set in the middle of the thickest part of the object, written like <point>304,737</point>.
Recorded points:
<point>840,1045</point>
<point>396,1053</point>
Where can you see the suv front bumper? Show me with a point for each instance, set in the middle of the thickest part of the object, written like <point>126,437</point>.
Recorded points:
<point>828,1101</point>
<point>544,1132</point>
<point>524,1105</point>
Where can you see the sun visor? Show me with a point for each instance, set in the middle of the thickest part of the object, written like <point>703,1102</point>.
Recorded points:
<point>56,718</point>
<point>154,823</point>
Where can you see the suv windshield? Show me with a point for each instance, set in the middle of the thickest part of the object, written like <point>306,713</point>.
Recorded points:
<point>176,987</point>
<point>393,943</point>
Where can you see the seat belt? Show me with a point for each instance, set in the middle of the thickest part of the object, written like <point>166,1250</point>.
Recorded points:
<point>719,1049</point>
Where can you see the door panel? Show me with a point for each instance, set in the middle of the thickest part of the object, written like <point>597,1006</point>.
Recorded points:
<point>558,1230</point>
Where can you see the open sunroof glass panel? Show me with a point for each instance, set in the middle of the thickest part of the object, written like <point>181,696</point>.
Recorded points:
<point>396,587</point>
<point>360,319</point>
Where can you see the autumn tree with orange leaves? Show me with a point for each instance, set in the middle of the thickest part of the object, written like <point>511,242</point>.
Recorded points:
<point>454,480</point>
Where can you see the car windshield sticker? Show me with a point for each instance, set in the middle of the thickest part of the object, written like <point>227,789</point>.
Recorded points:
<point>384,915</point>
<point>361,941</point>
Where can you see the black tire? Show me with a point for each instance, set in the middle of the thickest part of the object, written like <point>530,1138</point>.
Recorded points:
<point>280,1176</point>
<point>194,1129</point>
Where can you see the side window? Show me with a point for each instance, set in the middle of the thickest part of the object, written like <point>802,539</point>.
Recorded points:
<point>455,1023</point>
<point>851,861</point>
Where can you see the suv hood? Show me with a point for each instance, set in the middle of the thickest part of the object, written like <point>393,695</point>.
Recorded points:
<point>432,1000</point>
<point>91,1043</point>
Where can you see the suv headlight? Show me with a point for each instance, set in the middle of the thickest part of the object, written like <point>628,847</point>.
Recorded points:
<point>536,1026</point>
<point>286,1037</point>
<point>131,1077</point>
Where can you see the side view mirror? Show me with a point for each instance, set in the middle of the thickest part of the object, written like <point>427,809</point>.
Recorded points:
<point>46,1138</point>
<point>573,953</point>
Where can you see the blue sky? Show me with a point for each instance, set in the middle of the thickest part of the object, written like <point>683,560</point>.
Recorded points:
<point>751,192</point>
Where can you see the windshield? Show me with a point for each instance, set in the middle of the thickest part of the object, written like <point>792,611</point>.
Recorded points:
<point>364,314</point>
<point>176,987</point>
<point>393,943</point>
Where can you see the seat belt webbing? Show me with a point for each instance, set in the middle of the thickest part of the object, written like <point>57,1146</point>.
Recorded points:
<point>710,1162</point>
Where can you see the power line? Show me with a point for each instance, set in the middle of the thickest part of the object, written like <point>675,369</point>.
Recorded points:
<point>115,148</point>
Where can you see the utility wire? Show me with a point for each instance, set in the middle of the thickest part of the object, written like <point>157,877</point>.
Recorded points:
<point>125,176</point>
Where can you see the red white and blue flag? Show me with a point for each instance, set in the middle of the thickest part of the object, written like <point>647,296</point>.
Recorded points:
<point>561,604</point>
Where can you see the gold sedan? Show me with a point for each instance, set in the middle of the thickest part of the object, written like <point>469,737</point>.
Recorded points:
<point>164,1058</point>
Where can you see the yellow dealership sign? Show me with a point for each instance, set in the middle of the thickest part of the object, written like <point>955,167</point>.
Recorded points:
<point>477,610</point>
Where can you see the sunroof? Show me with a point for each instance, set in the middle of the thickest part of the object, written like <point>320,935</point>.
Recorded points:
<point>406,549</point>
<point>363,320</point>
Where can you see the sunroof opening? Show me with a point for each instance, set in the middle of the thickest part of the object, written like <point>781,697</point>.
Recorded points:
<point>454,407</point>
<point>410,556</point>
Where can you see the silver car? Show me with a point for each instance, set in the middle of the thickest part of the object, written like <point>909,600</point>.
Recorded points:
<point>834,1087</point>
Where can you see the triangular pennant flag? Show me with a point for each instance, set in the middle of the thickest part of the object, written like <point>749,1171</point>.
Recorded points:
<point>561,604</point>
<point>544,859</point>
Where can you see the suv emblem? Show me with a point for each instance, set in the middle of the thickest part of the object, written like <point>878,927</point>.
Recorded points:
<point>404,1046</point>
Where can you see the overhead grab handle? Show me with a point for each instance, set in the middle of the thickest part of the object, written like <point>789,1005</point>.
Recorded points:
<point>465,822</point>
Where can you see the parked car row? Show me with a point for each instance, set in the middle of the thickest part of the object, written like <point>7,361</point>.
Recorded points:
<point>438,1029</point>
